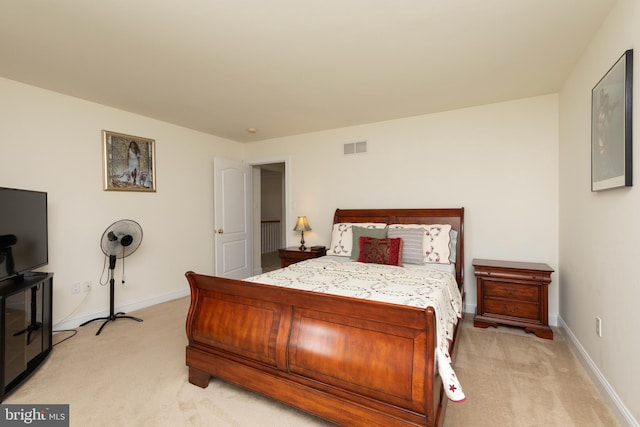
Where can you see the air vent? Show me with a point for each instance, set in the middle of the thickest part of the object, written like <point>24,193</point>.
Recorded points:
<point>355,147</point>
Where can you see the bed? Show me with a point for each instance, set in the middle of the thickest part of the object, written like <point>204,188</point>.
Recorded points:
<point>353,361</point>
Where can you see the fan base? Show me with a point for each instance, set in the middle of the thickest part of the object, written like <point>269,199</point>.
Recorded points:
<point>111,318</point>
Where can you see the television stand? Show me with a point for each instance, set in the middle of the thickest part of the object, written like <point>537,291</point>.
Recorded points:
<point>25,327</point>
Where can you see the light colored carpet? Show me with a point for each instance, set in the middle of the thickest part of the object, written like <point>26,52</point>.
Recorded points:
<point>515,379</point>
<point>134,374</point>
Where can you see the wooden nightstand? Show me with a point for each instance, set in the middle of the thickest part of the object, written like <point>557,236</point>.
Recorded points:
<point>292,254</point>
<point>513,293</point>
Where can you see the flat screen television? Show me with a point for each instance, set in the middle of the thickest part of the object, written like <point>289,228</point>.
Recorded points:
<point>23,231</point>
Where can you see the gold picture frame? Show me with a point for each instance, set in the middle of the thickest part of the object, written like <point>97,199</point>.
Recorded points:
<point>128,162</point>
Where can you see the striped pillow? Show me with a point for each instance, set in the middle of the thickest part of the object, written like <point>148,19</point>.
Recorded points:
<point>412,243</point>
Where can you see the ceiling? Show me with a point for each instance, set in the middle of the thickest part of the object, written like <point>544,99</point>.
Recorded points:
<point>286,67</point>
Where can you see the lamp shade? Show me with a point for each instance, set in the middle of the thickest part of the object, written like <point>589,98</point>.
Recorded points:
<point>302,224</point>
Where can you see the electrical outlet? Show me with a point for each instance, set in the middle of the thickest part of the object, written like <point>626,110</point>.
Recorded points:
<point>599,326</point>
<point>86,286</point>
<point>75,288</point>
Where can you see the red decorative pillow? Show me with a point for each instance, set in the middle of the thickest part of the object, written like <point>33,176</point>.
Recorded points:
<point>380,251</point>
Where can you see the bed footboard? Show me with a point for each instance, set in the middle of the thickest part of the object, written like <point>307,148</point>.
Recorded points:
<point>350,361</point>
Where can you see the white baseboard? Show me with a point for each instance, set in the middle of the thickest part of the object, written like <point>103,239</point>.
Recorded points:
<point>76,321</point>
<point>597,376</point>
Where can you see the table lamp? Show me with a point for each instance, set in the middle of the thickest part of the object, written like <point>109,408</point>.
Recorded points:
<point>302,225</point>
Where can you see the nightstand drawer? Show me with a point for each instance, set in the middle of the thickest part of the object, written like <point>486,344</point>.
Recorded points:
<point>534,276</point>
<point>510,308</point>
<point>508,290</point>
<point>293,255</point>
<point>298,255</point>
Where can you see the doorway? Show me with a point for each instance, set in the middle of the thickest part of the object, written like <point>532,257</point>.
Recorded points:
<point>270,208</point>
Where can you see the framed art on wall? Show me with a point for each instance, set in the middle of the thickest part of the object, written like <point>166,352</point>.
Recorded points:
<point>611,136</point>
<point>128,162</point>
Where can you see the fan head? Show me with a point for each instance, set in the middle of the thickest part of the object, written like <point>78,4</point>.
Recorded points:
<point>121,238</point>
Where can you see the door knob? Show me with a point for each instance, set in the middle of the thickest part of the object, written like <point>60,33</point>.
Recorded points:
<point>219,231</point>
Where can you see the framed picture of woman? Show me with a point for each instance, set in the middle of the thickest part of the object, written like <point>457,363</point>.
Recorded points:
<point>611,136</point>
<point>129,162</point>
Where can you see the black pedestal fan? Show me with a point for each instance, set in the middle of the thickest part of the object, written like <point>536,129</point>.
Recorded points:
<point>119,240</point>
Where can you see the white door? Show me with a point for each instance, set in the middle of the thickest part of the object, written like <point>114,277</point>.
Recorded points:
<point>233,219</point>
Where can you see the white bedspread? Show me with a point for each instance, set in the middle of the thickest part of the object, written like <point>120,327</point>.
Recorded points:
<point>416,286</point>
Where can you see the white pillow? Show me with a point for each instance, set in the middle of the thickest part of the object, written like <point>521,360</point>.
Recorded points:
<point>342,236</point>
<point>435,242</point>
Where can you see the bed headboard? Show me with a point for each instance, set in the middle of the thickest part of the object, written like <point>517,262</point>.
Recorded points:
<point>454,217</point>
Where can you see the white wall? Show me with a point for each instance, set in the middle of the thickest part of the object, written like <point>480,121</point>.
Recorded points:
<point>600,232</point>
<point>52,143</point>
<point>500,162</point>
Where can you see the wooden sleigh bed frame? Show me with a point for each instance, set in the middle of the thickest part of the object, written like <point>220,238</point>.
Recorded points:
<point>265,338</point>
